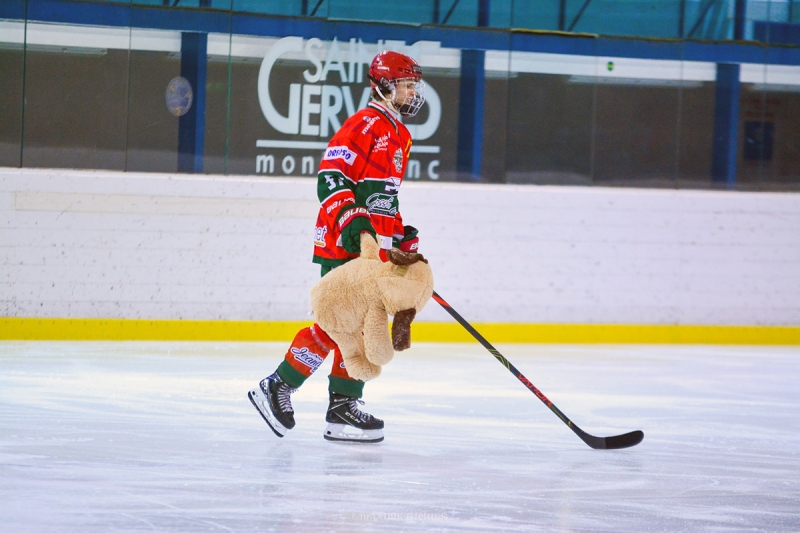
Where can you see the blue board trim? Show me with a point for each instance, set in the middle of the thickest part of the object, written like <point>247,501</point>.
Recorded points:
<point>65,12</point>
<point>12,9</point>
<point>217,21</point>
<point>776,32</point>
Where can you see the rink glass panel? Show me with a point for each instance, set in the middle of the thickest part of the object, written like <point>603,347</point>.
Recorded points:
<point>152,143</point>
<point>76,108</point>
<point>769,137</point>
<point>549,136</point>
<point>103,107</point>
<point>11,84</point>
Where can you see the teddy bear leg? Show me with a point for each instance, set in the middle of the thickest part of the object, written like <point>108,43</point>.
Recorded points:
<point>377,345</point>
<point>358,367</point>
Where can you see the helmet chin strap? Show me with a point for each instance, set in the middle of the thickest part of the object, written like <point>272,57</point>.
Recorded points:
<point>389,102</point>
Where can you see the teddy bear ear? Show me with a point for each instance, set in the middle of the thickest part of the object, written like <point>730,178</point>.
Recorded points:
<point>401,258</point>
<point>369,247</point>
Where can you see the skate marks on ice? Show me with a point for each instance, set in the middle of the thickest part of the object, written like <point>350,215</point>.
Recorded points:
<point>160,436</point>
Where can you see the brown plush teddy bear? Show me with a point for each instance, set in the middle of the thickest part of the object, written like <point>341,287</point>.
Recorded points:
<point>353,301</point>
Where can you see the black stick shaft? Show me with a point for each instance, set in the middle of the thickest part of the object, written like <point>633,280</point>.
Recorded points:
<point>618,441</point>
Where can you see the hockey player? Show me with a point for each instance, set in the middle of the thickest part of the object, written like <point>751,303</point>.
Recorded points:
<point>357,186</point>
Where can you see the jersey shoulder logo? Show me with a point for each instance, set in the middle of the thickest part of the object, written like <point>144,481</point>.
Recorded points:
<point>340,152</point>
<point>398,160</point>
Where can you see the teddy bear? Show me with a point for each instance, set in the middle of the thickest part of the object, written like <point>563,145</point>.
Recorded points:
<point>352,303</point>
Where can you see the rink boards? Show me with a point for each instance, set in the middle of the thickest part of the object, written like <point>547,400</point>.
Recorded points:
<point>156,256</point>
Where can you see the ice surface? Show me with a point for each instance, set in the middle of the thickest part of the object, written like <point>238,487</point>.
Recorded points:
<point>101,437</point>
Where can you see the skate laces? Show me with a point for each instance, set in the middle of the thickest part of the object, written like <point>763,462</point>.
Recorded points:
<point>353,404</point>
<point>283,392</point>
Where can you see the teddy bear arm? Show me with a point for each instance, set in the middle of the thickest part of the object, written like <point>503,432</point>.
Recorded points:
<point>377,344</point>
<point>352,347</point>
<point>401,329</point>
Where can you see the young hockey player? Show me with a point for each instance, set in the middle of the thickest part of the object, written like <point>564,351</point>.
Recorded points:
<point>357,186</point>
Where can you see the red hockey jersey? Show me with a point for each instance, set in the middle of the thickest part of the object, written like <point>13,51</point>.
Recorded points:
<point>363,165</point>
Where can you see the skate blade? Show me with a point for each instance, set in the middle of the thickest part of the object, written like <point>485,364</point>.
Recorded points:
<point>259,401</point>
<point>347,433</point>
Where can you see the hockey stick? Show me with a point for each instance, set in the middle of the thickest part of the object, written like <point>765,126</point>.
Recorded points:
<point>598,443</point>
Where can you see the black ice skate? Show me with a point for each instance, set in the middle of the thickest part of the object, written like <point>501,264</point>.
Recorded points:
<point>346,423</point>
<point>272,399</point>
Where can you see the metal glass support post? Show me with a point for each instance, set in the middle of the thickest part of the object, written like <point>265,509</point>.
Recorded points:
<point>726,125</point>
<point>470,114</point>
<point>191,126</point>
<point>739,19</point>
<point>469,151</point>
<point>579,15</point>
<point>483,13</point>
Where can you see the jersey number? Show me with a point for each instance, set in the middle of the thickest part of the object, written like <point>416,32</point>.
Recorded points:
<point>332,182</point>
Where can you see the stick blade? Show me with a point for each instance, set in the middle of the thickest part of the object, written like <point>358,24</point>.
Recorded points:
<point>615,442</point>
<point>620,441</point>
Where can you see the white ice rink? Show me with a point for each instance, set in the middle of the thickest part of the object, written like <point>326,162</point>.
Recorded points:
<point>102,437</point>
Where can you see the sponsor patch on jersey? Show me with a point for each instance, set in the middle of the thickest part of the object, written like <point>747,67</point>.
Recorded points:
<point>382,204</point>
<point>319,236</point>
<point>370,122</point>
<point>381,143</point>
<point>392,186</point>
<point>340,152</point>
<point>308,358</point>
<point>398,160</point>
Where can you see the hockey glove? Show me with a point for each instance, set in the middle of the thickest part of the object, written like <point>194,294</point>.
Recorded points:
<point>410,242</point>
<point>352,221</point>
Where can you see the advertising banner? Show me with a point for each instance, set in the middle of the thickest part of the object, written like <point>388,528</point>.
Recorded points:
<point>306,89</point>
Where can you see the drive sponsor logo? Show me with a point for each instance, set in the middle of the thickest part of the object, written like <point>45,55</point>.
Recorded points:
<point>340,152</point>
<point>319,236</point>
<point>308,358</point>
<point>380,204</point>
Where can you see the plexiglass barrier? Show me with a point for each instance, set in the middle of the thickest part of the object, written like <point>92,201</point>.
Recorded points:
<point>246,87</point>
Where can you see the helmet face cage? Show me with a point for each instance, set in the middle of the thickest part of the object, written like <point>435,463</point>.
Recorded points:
<point>398,79</point>
<point>407,95</point>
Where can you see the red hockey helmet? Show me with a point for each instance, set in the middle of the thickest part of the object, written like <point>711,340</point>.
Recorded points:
<point>398,79</point>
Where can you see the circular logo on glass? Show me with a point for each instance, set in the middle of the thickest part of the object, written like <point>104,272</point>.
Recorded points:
<point>179,96</point>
